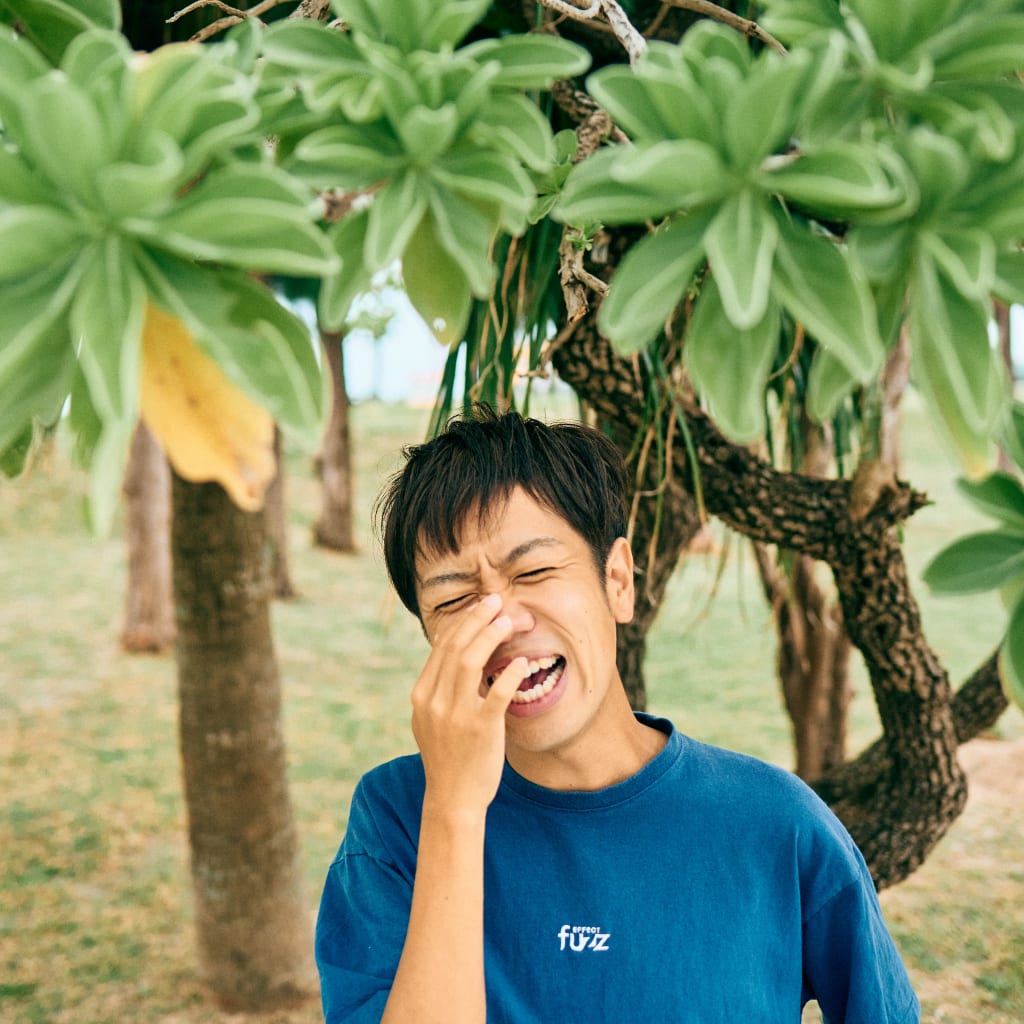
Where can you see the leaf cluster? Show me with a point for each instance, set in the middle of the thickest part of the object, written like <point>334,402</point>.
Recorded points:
<point>441,138</point>
<point>994,559</point>
<point>872,175</point>
<point>131,179</point>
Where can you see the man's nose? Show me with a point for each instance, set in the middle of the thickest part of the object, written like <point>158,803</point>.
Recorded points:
<point>513,605</point>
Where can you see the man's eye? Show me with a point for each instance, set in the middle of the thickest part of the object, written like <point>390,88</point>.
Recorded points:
<point>455,602</point>
<point>535,573</point>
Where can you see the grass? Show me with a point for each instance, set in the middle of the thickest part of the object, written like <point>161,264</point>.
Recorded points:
<point>95,912</point>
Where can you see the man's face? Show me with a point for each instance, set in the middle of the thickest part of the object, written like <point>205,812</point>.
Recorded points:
<point>563,617</point>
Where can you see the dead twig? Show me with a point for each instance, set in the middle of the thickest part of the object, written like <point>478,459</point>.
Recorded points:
<point>745,25</point>
<point>625,31</point>
<point>234,16</point>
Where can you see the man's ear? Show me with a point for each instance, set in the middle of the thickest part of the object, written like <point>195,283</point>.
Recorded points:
<point>618,571</point>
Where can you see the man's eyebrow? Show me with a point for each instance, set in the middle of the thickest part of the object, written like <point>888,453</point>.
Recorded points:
<point>520,551</point>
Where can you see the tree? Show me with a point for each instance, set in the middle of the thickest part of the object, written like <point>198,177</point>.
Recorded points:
<point>735,205</point>
<point>149,604</point>
<point>118,266</point>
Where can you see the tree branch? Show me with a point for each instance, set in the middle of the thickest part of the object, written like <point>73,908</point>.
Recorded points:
<point>625,31</point>
<point>235,16</point>
<point>744,25</point>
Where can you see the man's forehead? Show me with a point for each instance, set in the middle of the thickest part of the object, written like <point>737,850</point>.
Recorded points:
<point>461,565</point>
<point>506,530</point>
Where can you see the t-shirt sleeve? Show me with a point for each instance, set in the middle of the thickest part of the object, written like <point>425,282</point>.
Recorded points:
<point>361,925</point>
<point>851,965</point>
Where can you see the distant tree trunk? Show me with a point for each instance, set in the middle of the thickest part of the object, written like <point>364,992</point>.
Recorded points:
<point>149,604</point>
<point>333,528</point>
<point>253,923</point>
<point>277,524</point>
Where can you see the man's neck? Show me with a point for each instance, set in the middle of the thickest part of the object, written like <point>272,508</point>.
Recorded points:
<point>609,754</point>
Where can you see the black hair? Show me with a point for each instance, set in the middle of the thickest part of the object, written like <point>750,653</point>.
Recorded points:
<point>474,465</point>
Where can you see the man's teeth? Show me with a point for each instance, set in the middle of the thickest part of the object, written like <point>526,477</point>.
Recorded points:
<point>544,687</point>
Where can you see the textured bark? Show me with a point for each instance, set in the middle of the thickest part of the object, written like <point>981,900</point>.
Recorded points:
<point>899,797</point>
<point>252,918</point>
<point>149,604</point>
<point>333,527</point>
<point>277,525</point>
<point>812,660</point>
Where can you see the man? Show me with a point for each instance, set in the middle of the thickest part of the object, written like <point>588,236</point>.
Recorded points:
<point>549,856</point>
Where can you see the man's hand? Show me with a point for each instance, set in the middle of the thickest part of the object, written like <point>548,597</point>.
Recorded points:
<point>458,720</point>
<point>459,724</point>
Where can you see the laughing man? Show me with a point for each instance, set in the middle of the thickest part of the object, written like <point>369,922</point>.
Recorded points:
<point>550,857</point>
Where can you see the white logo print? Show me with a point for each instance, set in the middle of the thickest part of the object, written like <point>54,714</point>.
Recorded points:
<point>581,937</point>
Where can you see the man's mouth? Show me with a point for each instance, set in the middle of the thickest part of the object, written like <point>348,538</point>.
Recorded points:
<point>542,677</point>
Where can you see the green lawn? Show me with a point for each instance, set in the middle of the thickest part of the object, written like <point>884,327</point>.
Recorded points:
<point>94,891</point>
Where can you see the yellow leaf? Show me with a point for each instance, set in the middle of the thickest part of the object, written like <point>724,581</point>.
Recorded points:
<point>209,428</point>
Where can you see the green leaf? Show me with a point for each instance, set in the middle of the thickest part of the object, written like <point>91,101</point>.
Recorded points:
<point>250,216</point>
<point>950,347</point>
<point>347,238</point>
<point>650,281</point>
<point>425,132</point>
<point>999,495</point>
<point>33,238</point>
<point>730,366</point>
<point>14,457</point>
<point>1009,277</point>
<point>976,563</point>
<point>741,245</point>
<point>828,383</point>
<point>801,20</point>
<point>1013,433</point>
<point>530,61</point>
<point>394,215</point>
<point>35,376</point>
<point>762,115</point>
<point>967,258</point>
<point>986,45</point>
<point>435,284</point>
<point>106,319</point>
<point>599,190</point>
<point>348,156</point>
<point>686,172</point>
<point>490,177</point>
<point>466,229</point>
<point>107,461</point>
<point>451,21</point>
<point>64,136</point>
<point>828,293</point>
<point>52,24</point>
<point>30,308</point>
<point>1011,656</point>
<point>144,185</point>
<point>513,124</point>
<point>637,101</point>
<point>838,180</point>
<point>303,45</point>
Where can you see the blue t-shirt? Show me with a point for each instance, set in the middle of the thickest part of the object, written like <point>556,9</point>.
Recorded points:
<point>709,888</point>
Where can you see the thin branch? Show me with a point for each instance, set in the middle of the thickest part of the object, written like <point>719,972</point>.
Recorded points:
<point>205,3</point>
<point>234,15</point>
<point>744,25</point>
<point>625,31</point>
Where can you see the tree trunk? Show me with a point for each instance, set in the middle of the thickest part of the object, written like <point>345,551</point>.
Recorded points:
<point>277,525</point>
<point>253,923</point>
<point>899,797</point>
<point>333,528</point>
<point>149,604</point>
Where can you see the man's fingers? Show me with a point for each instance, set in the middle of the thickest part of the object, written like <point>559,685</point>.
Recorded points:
<point>504,687</point>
